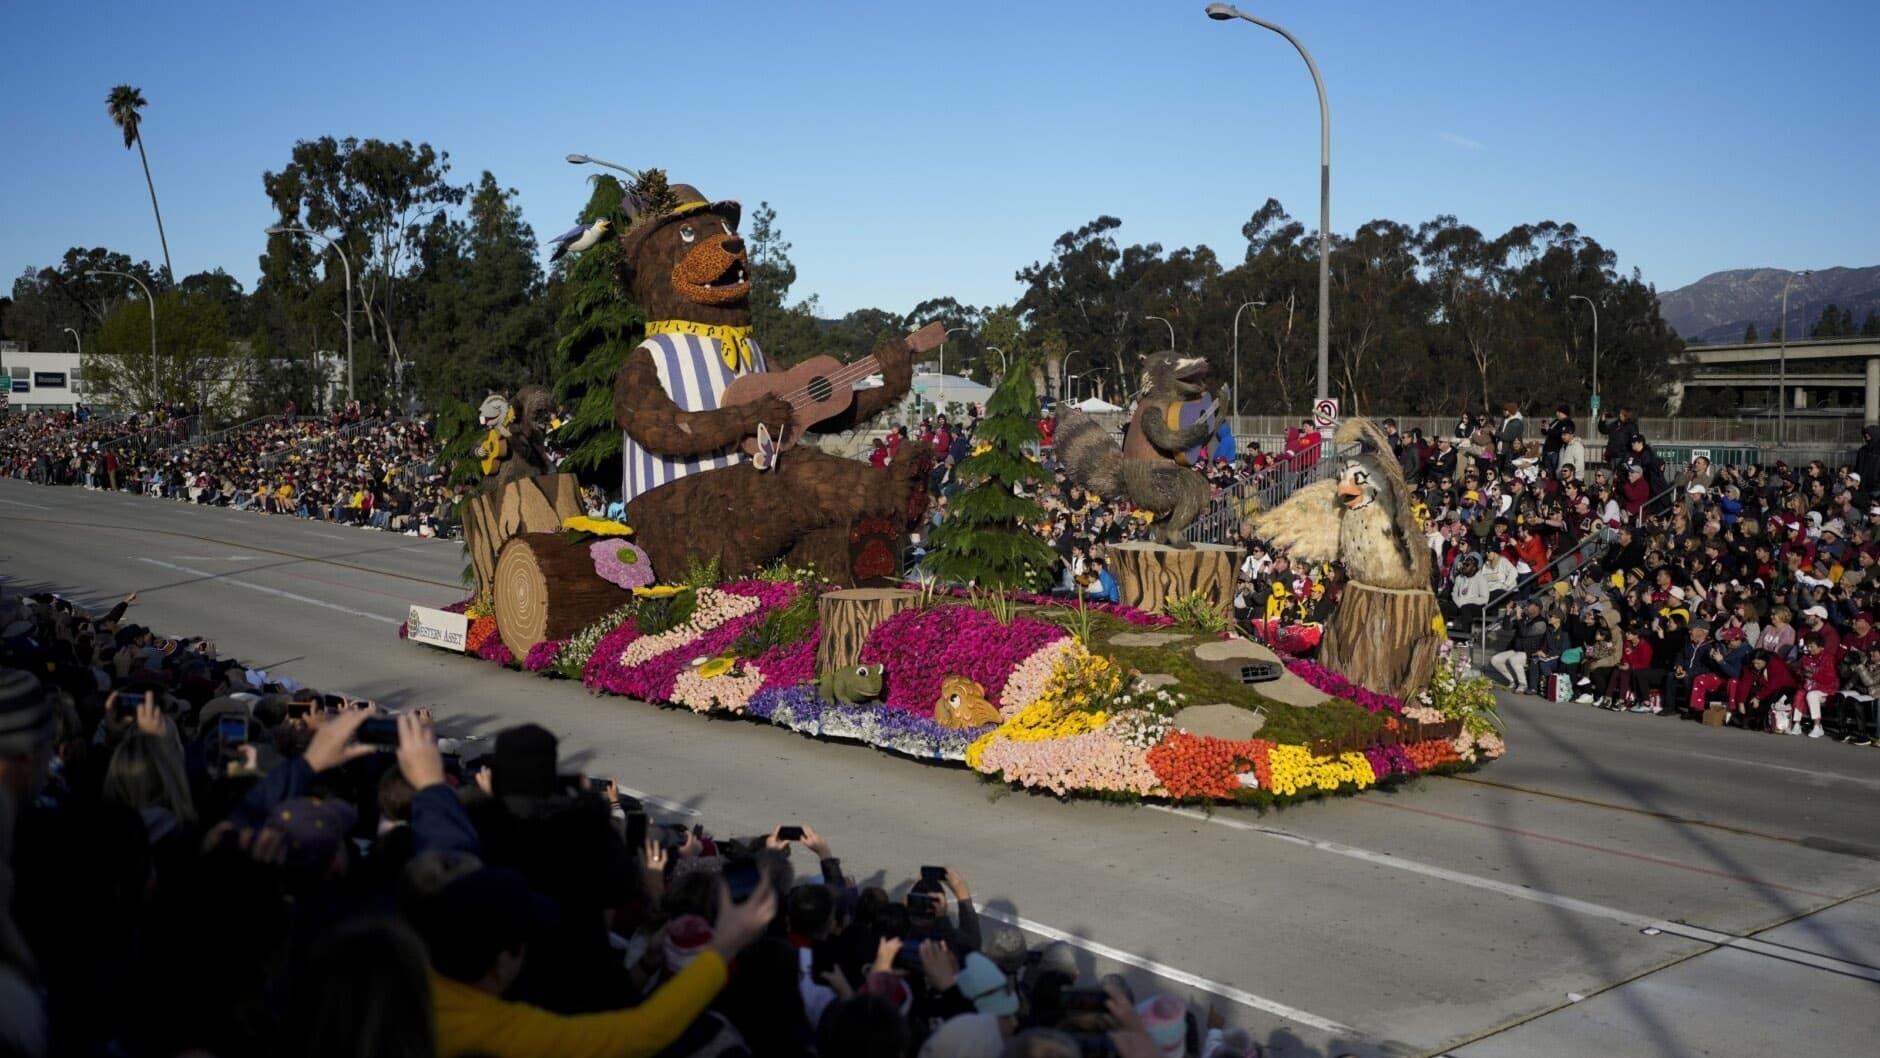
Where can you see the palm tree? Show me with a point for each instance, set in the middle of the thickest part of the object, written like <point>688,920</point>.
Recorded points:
<point>125,104</point>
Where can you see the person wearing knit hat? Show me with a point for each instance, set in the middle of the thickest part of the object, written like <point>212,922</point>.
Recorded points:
<point>985,986</point>
<point>27,725</point>
<point>1165,1019</point>
<point>686,936</point>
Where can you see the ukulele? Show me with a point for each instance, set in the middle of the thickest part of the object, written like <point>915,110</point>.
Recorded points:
<point>817,389</point>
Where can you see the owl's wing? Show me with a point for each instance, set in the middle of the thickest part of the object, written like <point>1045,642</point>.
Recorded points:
<point>1306,525</point>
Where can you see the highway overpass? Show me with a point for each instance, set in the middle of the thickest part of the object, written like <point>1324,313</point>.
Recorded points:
<point>1818,369</point>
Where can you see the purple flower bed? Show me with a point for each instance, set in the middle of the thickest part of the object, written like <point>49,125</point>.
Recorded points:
<point>542,655</point>
<point>791,664</point>
<point>921,648</point>
<point>494,650</point>
<point>1389,760</point>
<point>1339,687</point>
<point>799,708</point>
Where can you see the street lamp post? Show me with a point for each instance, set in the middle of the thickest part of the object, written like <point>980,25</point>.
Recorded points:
<point>1243,305</point>
<point>1003,368</point>
<point>1591,304</point>
<point>941,404</point>
<point>582,159</point>
<point>345,263</point>
<point>1223,12</point>
<point>1782,363</point>
<point>80,343</point>
<point>155,395</point>
<point>1171,330</point>
<point>1064,371</point>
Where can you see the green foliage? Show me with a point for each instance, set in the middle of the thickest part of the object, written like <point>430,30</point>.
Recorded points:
<point>663,613</point>
<point>598,328</point>
<point>1195,612</point>
<point>459,433</point>
<point>701,574</point>
<point>579,647</point>
<point>987,539</point>
<point>195,363</point>
<point>791,623</point>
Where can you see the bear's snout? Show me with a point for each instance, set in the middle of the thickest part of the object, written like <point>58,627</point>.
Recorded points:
<point>733,245</point>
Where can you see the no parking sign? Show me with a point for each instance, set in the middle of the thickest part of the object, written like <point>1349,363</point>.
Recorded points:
<point>1325,411</point>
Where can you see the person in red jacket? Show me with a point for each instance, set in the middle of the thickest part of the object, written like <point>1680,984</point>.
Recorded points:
<point>1636,657</point>
<point>1767,683</point>
<point>1819,681</point>
<point>1531,549</point>
<point>1635,491</point>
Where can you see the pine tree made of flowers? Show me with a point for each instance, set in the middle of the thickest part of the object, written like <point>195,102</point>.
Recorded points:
<point>987,538</point>
<point>598,328</point>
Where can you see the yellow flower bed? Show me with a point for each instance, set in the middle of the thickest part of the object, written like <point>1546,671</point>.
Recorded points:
<point>1295,768</point>
<point>581,523</point>
<point>1081,678</point>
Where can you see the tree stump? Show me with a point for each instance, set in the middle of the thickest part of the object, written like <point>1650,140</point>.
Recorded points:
<point>848,616</point>
<point>1383,638</point>
<point>1151,576</point>
<point>532,505</point>
<point>545,588</point>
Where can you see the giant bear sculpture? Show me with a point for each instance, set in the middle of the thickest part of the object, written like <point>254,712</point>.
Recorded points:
<point>691,492</point>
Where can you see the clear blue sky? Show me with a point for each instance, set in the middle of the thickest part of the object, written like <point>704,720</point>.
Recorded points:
<point>920,149</point>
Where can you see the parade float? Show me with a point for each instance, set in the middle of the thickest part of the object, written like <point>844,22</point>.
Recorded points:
<point>756,577</point>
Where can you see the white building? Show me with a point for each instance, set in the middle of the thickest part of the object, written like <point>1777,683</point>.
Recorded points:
<point>41,381</point>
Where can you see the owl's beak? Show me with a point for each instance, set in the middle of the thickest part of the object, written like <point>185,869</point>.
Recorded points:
<point>1349,493</point>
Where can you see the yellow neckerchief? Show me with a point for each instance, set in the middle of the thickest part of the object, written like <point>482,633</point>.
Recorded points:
<point>734,343</point>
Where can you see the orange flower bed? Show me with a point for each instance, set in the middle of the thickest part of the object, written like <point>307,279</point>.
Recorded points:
<point>1198,766</point>
<point>479,633</point>
<point>1431,752</point>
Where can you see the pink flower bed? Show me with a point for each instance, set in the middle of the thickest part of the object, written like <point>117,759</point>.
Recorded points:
<point>542,655</point>
<point>1095,760</point>
<point>1339,687</point>
<point>920,648</point>
<point>651,678</point>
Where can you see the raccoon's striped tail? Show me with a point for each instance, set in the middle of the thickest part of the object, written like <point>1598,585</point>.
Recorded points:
<point>1087,453</point>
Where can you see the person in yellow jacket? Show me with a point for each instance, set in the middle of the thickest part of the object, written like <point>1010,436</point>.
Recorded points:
<point>475,930</point>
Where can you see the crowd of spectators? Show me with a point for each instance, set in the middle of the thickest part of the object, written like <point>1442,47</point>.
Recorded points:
<point>354,466</point>
<point>199,857</point>
<point>1743,595</point>
<point>76,446</point>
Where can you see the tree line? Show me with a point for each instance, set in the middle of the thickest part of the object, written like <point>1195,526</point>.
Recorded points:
<point>450,301</point>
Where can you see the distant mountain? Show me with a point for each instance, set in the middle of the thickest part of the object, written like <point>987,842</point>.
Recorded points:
<point>1719,306</point>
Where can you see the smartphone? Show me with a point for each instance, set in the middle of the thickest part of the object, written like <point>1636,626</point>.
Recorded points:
<point>332,702</point>
<point>599,783</point>
<point>933,874</point>
<point>741,878</point>
<point>299,710</point>
<point>379,731</point>
<point>789,833</point>
<point>231,729</point>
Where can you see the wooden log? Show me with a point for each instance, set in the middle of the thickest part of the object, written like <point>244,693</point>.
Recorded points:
<point>1383,638</point>
<point>848,616</point>
<point>493,516</point>
<point>1151,576</point>
<point>546,588</point>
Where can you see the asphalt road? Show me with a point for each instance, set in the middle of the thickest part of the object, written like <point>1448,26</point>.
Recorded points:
<point>1616,885</point>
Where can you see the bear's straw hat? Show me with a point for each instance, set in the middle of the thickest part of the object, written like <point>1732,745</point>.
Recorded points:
<point>643,220</point>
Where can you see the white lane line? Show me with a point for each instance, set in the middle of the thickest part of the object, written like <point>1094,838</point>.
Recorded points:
<point>21,503</point>
<point>1179,976</point>
<point>1566,903</point>
<point>309,600</point>
<point>1385,859</point>
<point>1828,778</point>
